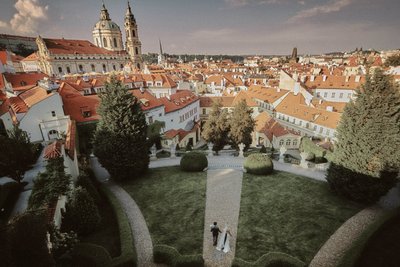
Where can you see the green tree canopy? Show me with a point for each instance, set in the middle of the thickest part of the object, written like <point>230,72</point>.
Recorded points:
<point>393,61</point>
<point>241,124</point>
<point>18,156</point>
<point>216,128</point>
<point>120,137</point>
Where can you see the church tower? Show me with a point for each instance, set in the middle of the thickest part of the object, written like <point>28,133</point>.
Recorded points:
<point>160,58</point>
<point>133,44</point>
<point>106,33</point>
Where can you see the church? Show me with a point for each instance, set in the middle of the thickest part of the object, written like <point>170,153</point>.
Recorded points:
<point>59,57</point>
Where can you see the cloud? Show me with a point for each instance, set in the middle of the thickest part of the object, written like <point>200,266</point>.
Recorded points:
<point>333,6</point>
<point>27,18</point>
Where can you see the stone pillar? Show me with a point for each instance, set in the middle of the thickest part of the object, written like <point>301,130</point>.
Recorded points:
<point>303,162</point>
<point>153,151</point>
<point>210,151</point>
<point>173,150</point>
<point>282,152</point>
<point>241,147</point>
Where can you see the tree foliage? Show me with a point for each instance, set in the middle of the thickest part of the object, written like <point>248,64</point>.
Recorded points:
<point>82,213</point>
<point>27,238</point>
<point>19,154</point>
<point>216,128</point>
<point>50,184</point>
<point>369,131</point>
<point>120,137</point>
<point>241,125</point>
<point>393,61</point>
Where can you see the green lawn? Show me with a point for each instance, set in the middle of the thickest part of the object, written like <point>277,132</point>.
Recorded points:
<point>173,204</point>
<point>287,213</point>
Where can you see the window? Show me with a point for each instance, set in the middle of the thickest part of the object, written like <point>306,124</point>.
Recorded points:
<point>325,94</point>
<point>288,142</point>
<point>204,111</point>
<point>136,51</point>
<point>114,68</point>
<point>121,66</point>
<point>295,142</point>
<point>281,143</point>
<point>315,127</point>
<point>133,33</point>
<point>93,67</point>
<point>318,94</point>
<point>301,123</point>
<point>341,95</point>
<point>138,66</point>
<point>105,42</point>
<point>68,70</point>
<point>104,68</point>
<point>53,134</point>
<point>333,95</point>
<point>151,119</point>
<point>159,115</point>
<point>294,121</point>
<point>80,68</point>
<point>327,132</point>
<point>320,130</point>
<point>115,42</point>
<point>60,69</point>
<point>53,113</point>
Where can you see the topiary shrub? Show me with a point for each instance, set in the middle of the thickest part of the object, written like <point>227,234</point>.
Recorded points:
<point>310,156</point>
<point>85,182</point>
<point>357,186</point>
<point>258,164</point>
<point>82,214</point>
<point>193,162</point>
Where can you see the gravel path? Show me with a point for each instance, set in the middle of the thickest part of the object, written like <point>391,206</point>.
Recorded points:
<point>340,242</point>
<point>140,232</point>
<point>223,206</point>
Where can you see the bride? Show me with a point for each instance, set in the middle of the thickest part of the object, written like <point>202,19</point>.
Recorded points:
<point>223,242</point>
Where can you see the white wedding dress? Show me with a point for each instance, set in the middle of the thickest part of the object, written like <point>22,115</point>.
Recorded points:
<point>223,242</point>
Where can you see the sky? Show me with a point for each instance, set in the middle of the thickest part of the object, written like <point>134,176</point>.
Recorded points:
<point>239,27</point>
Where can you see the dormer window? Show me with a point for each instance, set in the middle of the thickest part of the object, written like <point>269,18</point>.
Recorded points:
<point>86,112</point>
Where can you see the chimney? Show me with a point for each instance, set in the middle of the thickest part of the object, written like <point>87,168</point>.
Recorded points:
<point>312,78</point>
<point>347,79</point>
<point>303,78</point>
<point>323,78</point>
<point>278,89</point>
<point>320,101</point>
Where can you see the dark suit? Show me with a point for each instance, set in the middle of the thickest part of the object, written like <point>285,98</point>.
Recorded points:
<point>215,231</point>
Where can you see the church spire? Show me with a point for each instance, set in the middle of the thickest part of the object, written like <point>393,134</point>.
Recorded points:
<point>104,13</point>
<point>161,51</point>
<point>129,14</point>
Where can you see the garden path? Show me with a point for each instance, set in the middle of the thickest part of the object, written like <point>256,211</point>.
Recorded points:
<point>140,232</point>
<point>224,188</point>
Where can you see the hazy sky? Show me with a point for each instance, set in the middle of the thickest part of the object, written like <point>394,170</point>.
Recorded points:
<point>219,26</point>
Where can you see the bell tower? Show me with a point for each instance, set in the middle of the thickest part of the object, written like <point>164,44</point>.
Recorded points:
<point>133,44</point>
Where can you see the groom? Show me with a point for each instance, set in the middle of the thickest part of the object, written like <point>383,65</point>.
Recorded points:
<point>215,231</point>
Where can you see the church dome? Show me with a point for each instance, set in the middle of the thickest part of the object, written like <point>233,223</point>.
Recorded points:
<point>107,25</point>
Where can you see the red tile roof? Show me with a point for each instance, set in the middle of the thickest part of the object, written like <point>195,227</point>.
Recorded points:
<point>179,100</point>
<point>147,100</point>
<point>270,127</point>
<point>75,47</point>
<point>335,82</point>
<point>76,104</point>
<point>53,150</point>
<point>23,81</point>
<point>207,101</point>
<point>3,57</point>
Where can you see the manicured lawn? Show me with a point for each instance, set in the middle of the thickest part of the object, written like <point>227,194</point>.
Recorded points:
<point>173,204</point>
<point>383,247</point>
<point>287,213</point>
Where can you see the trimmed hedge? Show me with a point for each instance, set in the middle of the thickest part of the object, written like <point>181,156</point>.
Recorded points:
<point>193,162</point>
<point>170,256</point>
<point>96,255</point>
<point>309,146</point>
<point>357,246</point>
<point>128,255</point>
<point>271,259</point>
<point>358,186</point>
<point>259,164</point>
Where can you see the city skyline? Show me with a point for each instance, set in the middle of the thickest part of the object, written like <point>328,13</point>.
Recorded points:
<point>240,27</point>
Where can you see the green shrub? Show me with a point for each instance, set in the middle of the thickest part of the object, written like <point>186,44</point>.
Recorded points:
<point>258,164</point>
<point>193,162</point>
<point>82,213</point>
<point>311,156</point>
<point>357,186</point>
<point>92,254</point>
<point>309,146</point>
<point>171,257</point>
<point>271,259</point>
<point>85,182</point>
<point>319,160</point>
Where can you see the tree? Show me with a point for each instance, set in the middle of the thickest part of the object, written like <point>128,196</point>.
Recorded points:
<point>393,61</point>
<point>19,153</point>
<point>27,237</point>
<point>216,128</point>
<point>241,125</point>
<point>368,138</point>
<point>153,134</point>
<point>120,137</point>
<point>82,213</point>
